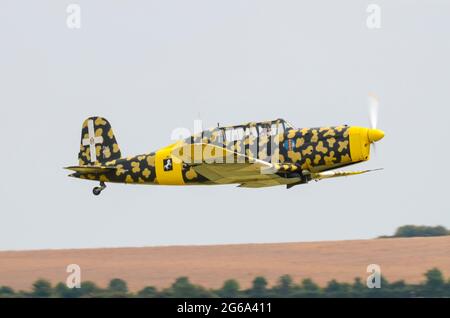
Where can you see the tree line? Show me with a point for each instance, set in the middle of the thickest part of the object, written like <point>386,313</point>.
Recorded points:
<point>418,231</point>
<point>434,285</point>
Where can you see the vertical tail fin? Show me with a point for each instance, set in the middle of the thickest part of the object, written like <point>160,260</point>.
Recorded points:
<point>98,143</point>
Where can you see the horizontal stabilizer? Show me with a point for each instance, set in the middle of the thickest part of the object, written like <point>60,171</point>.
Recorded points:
<point>91,169</point>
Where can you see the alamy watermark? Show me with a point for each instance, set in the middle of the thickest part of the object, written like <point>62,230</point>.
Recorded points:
<point>374,279</point>
<point>373,20</point>
<point>74,278</point>
<point>73,20</point>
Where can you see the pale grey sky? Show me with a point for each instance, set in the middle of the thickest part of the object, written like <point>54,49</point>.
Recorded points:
<point>151,66</point>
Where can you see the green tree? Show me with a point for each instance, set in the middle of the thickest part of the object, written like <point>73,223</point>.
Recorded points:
<point>89,289</point>
<point>401,289</point>
<point>148,292</point>
<point>229,289</point>
<point>336,289</point>
<point>434,278</point>
<point>259,287</point>
<point>434,283</point>
<point>420,230</point>
<point>118,287</point>
<point>284,287</point>
<point>61,290</point>
<point>42,288</point>
<point>182,287</point>
<point>358,289</point>
<point>308,288</point>
<point>6,291</point>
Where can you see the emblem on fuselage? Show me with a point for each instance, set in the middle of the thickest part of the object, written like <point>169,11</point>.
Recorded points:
<point>167,163</point>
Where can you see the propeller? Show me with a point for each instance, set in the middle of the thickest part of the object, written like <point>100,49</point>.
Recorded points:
<point>374,133</point>
<point>373,111</point>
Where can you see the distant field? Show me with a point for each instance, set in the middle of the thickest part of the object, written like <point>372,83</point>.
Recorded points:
<point>399,258</point>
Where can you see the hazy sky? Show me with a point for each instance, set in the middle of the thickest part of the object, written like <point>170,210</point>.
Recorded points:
<point>152,66</point>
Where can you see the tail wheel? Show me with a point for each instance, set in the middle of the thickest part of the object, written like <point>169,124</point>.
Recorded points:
<point>98,190</point>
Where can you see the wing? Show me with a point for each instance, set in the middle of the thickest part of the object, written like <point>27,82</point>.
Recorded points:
<point>264,183</point>
<point>223,166</point>
<point>249,175</point>
<point>337,173</point>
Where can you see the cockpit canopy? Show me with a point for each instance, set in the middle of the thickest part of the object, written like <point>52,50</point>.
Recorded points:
<point>255,129</point>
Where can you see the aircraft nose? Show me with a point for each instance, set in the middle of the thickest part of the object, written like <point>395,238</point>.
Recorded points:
<point>375,135</point>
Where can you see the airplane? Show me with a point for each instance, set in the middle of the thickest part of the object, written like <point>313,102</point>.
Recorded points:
<point>252,155</point>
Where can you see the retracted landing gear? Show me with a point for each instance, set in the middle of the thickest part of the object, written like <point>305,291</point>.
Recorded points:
<point>98,190</point>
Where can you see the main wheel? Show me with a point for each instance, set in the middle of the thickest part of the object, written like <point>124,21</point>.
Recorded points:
<point>97,190</point>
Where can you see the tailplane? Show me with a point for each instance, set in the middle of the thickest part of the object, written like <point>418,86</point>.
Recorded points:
<point>84,170</point>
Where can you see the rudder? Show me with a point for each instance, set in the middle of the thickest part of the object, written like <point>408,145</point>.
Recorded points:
<point>98,143</point>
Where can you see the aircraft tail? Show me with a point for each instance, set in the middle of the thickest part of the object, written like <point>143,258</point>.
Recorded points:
<point>98,143</point>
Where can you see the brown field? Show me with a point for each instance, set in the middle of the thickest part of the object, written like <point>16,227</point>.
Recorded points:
<point>209,266</point>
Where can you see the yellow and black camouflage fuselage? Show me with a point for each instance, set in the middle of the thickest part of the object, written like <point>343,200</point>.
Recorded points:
<point>291,151</point>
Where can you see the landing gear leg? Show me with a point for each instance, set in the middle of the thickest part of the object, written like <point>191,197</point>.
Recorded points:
<point>98,190</point>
